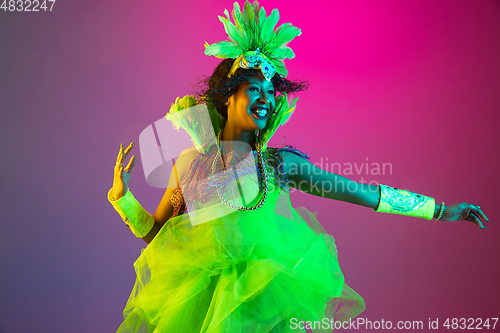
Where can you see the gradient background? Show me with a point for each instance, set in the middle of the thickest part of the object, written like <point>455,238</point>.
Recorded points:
<point>411,83</point>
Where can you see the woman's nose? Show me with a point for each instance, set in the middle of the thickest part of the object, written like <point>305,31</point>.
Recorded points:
<point>263,97</point>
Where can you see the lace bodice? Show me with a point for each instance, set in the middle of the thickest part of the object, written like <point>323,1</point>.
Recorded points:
<point>198,170</point>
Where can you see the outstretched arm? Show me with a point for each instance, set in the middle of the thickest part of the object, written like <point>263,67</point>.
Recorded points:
<point>307,177</point>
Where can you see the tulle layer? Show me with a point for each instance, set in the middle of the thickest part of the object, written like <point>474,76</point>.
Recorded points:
<point>248,271</point>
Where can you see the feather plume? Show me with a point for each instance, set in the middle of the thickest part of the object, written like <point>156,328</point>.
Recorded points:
<point>192,127</point>
<point>281,115</point>
<point>252,29</point>
<point>223,50</point>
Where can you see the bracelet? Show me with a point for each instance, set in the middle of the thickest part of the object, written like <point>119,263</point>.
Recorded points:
<point>403,202</point>
<point>137,218</point>
<point>441,211</point>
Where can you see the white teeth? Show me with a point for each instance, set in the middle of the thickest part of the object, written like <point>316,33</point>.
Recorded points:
<point>260,112</point>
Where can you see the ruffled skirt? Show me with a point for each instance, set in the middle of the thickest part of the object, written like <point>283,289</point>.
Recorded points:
<point>249,271</point>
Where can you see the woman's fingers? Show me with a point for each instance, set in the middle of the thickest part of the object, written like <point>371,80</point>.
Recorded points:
<point>118,158</point>
<point>475,218</point>
<point>129,148</point>
<point>121,180</point>
<point>481,214</point>
<point>122,154</point>
<point>131,164</point>
<point>465,212</point>
<point>476,210</point>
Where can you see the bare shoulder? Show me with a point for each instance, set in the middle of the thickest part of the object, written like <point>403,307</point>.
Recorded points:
<point>292,160</point>
<point>181,166</point>
<point>187,155</point>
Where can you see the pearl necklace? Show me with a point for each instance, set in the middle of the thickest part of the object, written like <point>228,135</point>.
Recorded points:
<point>261,167</point>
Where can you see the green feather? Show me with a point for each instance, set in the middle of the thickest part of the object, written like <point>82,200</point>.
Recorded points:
<point>281,115</point>
<point>283,52</point>
<point>230,29</point>
<point>280,67</point>
<point>237,17</point>
<point>267,32</point>
<point>252,30</point>
<point>285,33</point>
<point>248,13</point>
<point>262,16</point>
<point>224,50</point>
<point>288,114</point>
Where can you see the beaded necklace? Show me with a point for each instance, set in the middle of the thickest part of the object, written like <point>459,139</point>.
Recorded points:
<point>261,167</point>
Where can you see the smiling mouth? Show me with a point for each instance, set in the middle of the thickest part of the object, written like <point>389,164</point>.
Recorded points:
<point>260,112</point>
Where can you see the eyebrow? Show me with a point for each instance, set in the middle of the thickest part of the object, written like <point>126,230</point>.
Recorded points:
<point>261,84</point>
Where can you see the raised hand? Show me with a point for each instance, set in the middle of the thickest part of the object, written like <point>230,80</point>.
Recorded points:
<point>465,212</point>
<point>122,175</point>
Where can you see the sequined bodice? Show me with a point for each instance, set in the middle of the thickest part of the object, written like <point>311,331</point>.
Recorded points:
<point>200,169</point>
<point>177,201</point>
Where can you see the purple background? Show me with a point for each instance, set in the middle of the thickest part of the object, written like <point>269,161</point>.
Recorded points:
<point>411,83</point>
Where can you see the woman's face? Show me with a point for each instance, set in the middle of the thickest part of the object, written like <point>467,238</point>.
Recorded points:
<point>252,104</point>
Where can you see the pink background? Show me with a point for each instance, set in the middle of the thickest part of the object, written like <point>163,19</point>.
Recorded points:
<point>411,83</point>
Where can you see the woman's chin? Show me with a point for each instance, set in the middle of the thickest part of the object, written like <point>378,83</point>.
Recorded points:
<point>259,123</point>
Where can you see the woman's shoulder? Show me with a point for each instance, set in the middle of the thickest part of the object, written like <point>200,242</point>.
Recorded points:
<point>280,152</point>
<point>278,160</point>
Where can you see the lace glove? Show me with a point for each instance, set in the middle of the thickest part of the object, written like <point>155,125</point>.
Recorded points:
<point>398,201</point>
<point>137,218</point>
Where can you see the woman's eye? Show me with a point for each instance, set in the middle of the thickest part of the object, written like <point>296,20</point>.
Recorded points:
<point>271,92</point>
<point>254,89</point>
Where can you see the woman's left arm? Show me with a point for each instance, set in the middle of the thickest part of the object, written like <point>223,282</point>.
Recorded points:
<point>307,177</point>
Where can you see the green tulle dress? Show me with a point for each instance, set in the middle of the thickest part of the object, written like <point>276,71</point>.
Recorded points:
<point>246,271</point>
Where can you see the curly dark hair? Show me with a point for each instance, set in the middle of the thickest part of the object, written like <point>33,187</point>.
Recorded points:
<point>217,88</point>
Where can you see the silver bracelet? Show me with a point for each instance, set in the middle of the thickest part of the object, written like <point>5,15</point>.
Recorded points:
<point>441,211</point>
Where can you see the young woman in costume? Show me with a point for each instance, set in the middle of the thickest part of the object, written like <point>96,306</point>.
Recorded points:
<point>261,265</point>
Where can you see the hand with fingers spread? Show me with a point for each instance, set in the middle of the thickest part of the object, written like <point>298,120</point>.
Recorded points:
<point>465,212</point>
<point>122,175</point>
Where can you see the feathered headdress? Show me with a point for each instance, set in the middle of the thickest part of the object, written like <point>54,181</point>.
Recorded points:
<point>255,44</point>
<point>253,41</point>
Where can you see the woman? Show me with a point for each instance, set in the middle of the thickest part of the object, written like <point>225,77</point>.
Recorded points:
<point>261,265</point>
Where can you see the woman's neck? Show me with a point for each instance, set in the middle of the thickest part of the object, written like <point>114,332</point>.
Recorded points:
<point>240,138</point>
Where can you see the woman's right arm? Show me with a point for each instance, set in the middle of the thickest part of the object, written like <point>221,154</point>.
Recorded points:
<point>162,214</point>
<point>165,209</point>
